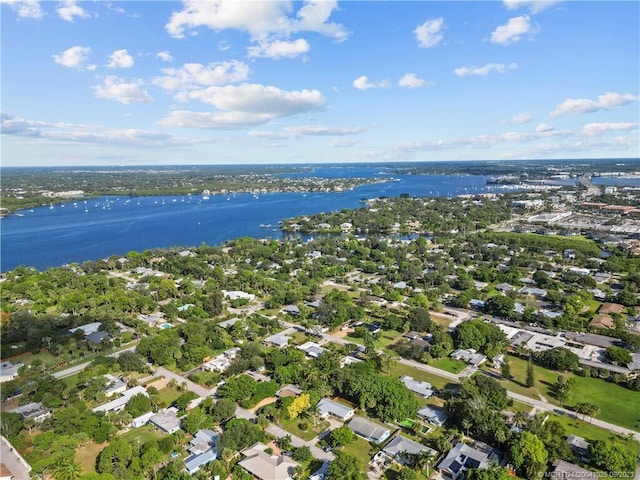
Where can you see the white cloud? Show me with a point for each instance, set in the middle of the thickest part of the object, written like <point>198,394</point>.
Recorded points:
<point>411,80</point>
<point>342,143</point>
<point>123,91</point>
<point>534,6</point>
<point>243,105</point>
<point>363,83</point>
<point>520,118</point>
<point>260,19</point>
<point>596,129</point>
<point>607,101</point>
<point>513,31</point>
<point>429,33</point>
<point>68,133</point>
<point>73,57</point>
<point>25,8</point>
<point>68,10</point>
<point>305,130</point>
<point>194,75</point>
<point>258,99</point>
<point>279,49</point>
<point>543,127</point>
<point>165,56</point>
<point>485,69</point>
<point>213,120</point>
<point>120,59</point>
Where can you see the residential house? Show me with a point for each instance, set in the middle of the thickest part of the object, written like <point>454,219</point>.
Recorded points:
<point>433,415</point>
<point>469,356</point>
<point>412,335</point>
<point>420,388</point>
<point>119,403</point>
<point>564,471</point>
<point>9,371</point>
<point>12,465</point>
<point>228,323</point>
<point>505,288</point>
<point>602,321</point>
<point>114,385</point>
<point>265,466</point>
<point>97,337</point>
<point>400,446</point>
<point>33,411</point>
<point>348,360</point>
<point>202,448</point>
<point>341,411</point>
<point>312,349</point>
<point>369,430</point>
<point>291,310</point>
<point>141,420</point>
<point>288,391</point>
<point>536,292</point>
<point>234,295</point>
<point>579,446</point>
<point>612,308</point>
<point>278,340</point>
<point>464,456</point>
<point>87,329</point>
<point>166,420</point>
<point>152,319</point>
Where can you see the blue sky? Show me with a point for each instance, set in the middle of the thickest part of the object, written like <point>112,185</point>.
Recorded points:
<point>230,82</point>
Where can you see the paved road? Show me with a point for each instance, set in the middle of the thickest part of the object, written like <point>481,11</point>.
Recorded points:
<point>298,442</point>
<point>67,372</point>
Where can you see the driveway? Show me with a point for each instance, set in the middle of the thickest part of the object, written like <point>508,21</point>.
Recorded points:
<point>298,442</point>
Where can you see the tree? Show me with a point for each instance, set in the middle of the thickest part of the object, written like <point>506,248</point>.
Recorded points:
<point>612,456</point>
<point>195,420</point>
<point>10,424</point>
<point>239,433</point>
<point>529,455</point>
<point>238,388</point>
<point>506,368</point>
<point>562,388</point>
<point>299,405</point>
<point>618,355</point>
<point>346,467</point>
<point>222,410</point>
<point>284,443</point>
<point>530,381</point>
<point>491,473</point>
<point>407,474</point>
<point>500,306</point>
<point>138,405</point>
<point>342,436</point>
<point>559,358</point>
<point>66,469</point>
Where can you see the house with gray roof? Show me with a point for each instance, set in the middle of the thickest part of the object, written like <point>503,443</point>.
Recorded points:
<point>278,340</point>
<point>9,371</point>
<point>312,349</point>
<point>87,329</point>
<point>420,388</point>
<point>202,448</point>
<point>564,471</point>
<point>464,456</point>
<point>369,430</point>
<point>469,356</point>
<point>265,466</point>
<point>400,446</point>
<point>32,411</point>
<point>341,411</point>
<point>167,420</point>
<point>434,416</point>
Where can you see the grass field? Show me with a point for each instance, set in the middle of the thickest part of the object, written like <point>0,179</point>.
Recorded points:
<point>312,432</point>
<point>618,405</point>
<point>86,456</point>
<point>142,435</point>
<point>437,382</point>
<point>360,449</point>
<point>168,395</point>
<point>449,364</point>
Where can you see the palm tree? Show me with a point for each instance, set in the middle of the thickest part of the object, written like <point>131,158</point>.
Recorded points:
<point>66,469</point>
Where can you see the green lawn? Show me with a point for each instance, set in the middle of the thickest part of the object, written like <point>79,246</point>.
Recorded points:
<point>298,338</point>
<point>168,395</point>
<point>387,337</point>
<point>86,456</point>
<point>398,370</point>
<point>292,426</point>
<point>449,364</point>
<point>360,449</point>
<point>618,405</point>
<point>142,435</point>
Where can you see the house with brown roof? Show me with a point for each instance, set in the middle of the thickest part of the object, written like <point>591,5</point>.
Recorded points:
<point>611,308</point>
<point>266,466</point>
<point>601,321</point>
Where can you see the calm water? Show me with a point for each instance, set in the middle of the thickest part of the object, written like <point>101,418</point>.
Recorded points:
<point>46,237</point>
